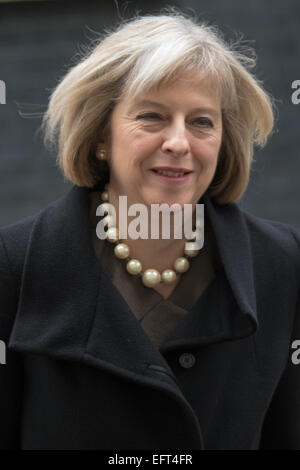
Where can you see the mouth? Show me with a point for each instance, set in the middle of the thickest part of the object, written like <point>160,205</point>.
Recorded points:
<point>175,175</point>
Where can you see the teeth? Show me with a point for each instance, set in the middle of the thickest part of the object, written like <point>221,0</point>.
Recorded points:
<point>169,173</point>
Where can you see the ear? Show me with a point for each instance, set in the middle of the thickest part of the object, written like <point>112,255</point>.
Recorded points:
<point>100,146</point>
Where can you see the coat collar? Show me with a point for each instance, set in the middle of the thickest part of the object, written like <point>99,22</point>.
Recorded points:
<point>233,243</point>
<point>70,309</point>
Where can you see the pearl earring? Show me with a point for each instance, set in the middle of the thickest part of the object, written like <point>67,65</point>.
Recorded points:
<point>101,155</point>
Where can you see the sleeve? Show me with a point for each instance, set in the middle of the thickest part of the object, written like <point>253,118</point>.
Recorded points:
<point>11,370</point>
<point>281,428</point>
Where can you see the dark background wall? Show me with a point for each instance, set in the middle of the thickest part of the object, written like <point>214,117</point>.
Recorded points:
<point>38,40</point>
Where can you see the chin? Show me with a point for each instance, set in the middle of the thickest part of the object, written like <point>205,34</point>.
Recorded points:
<point>159,198</point>
<point>169,201</point>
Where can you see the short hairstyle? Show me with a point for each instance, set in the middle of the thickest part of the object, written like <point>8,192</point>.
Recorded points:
<point>138,55</point>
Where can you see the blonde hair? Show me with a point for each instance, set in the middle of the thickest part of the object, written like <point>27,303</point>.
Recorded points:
<point>140,54</point>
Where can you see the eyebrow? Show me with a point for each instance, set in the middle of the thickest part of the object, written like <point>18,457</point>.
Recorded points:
<point>201,109</point>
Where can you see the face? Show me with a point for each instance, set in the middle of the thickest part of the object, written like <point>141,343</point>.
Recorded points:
<point>175,128</point>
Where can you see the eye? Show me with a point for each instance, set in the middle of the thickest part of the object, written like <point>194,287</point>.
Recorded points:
<point>203,122</point>
<point>150,116</point>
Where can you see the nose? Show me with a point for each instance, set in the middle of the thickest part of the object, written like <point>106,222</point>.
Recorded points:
<point>175,139</point>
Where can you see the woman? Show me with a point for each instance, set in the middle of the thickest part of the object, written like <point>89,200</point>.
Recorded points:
<point>200,352</point>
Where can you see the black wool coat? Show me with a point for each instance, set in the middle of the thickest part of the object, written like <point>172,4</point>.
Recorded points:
<point>81,373</point>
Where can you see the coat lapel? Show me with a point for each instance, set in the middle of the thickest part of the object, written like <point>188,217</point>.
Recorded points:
<point>232,238</point>
<point>70,309</point>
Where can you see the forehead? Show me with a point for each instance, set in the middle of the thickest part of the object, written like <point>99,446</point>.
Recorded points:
<point>185,89</point>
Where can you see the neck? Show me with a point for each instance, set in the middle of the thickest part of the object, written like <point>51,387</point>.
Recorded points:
<point>157,253</point>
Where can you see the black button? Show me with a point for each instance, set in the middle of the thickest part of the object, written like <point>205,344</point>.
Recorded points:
<point>187,360</point>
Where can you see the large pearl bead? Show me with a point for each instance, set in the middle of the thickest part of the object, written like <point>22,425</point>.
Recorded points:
<point>168,276</point>
<point>181,265</point>
<point>191,252</point>
<point>104,196</point>
<point>112,234</point>
<point>134,266</point>
<point>151,277</point>
<point>121,250</point>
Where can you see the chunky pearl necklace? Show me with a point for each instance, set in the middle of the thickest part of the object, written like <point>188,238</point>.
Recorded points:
<point>150,277</point>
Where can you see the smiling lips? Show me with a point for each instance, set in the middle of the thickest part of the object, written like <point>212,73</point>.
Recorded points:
<point>171,172</point>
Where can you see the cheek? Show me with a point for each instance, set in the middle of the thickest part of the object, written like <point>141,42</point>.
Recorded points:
<point>207,154</point>
<point>141,146</point>
<point>132,150</point>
